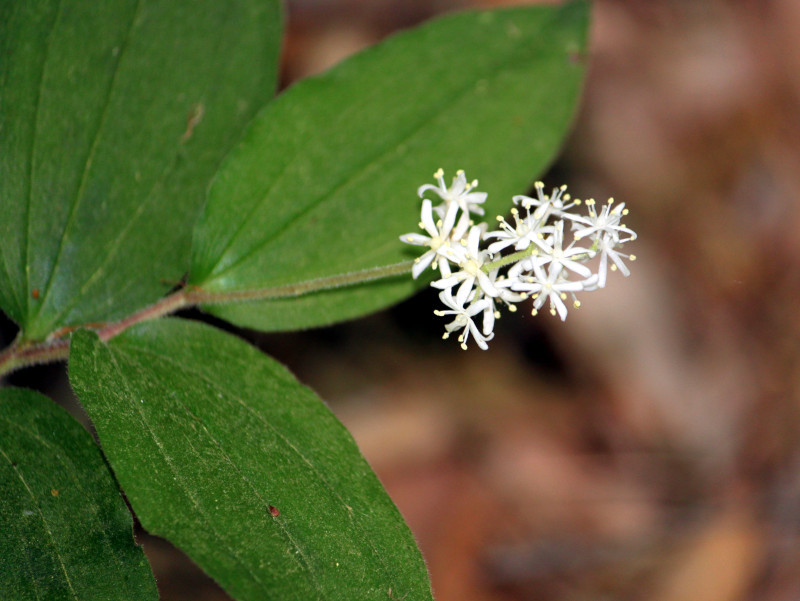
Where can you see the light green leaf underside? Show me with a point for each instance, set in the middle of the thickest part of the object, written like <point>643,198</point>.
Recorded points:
<point>324,181</point>
<point>65,532</point>
<point>114,116</point>
<point>206,434</point>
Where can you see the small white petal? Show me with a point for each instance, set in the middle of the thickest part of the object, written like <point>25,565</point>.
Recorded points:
<point>415,239</point>
<point>421,264</point>
<point>486,284</point>
<point>463,292</point>
<point>446,283</point>
<point>427,218</point>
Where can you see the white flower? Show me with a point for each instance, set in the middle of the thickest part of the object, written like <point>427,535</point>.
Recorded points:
<point>438,239</point>
<point>562,258</point>
<point>606,247</point>
<point>525,260</point>
<point>558,203</point>
<point>463,316</point>
<point>505,295</point>
<point>605,222</point>
<point>460,193</point>
<point>521,267</point>
<point>471,266</point>
<point>525,232</point>
<point>548,286</point>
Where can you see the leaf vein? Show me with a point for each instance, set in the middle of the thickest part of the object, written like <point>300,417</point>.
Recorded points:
<point>213,385</point>
<point>186,489</point>
<point>76,200</point>
<point>112,248</point>
<point>492,71</point>
<point>45,523</point>
<point>32,160</point>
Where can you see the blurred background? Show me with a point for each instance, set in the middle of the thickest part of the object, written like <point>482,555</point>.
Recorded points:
<point>649,447</point>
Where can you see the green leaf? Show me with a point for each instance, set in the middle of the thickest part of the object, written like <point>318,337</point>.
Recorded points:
<point>114,115</point>
<point>324,181</point>
<point>223,452</point>
<point>65,532</point>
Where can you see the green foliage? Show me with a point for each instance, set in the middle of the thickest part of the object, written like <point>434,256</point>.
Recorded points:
<point>222,451</point>
<point>115,118</point>
<point>66,533</point>
<point>324,180</point>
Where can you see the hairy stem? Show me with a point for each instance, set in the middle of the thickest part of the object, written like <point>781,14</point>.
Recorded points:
<point>509,259</point>
<point>199,296</point>
<point>56,346</point>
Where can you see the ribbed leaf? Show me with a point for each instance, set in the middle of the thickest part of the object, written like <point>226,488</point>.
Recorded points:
<point>113,117</point>
<point>324,181</point>
<point>223,452</point>
<point>65,532</point>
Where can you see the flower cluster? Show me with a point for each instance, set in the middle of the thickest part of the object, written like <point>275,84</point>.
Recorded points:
<point>546,251</point>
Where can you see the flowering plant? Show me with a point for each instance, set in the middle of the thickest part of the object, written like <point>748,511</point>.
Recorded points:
<point>148,168</point>
<point>540,267</point>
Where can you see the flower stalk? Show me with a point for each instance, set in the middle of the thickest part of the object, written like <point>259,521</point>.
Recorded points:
<point>22,353</point>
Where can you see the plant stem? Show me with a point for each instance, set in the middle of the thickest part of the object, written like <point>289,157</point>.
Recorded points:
<point>56,347</point>
<point>199,296</point>
<point>512,258</point>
